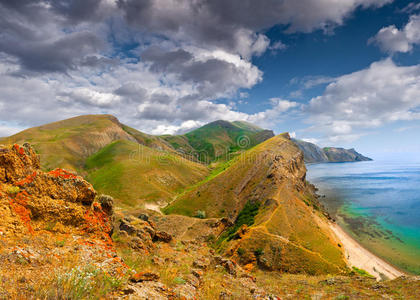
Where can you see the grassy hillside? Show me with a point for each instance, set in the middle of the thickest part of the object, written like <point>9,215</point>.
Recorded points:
<point>100,148</point>
<point>66,144</point>
<point>132,166</point>
<point>218,140</point>
<point>265,190</point>
<point>135,174</point>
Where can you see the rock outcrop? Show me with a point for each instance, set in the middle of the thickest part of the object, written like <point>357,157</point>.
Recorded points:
<point>49,220</point>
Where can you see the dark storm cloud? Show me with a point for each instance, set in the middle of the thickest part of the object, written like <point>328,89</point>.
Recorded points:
<point>163,61</point>
<point>72,10</point>
<point>227,24</point>
<point>35,34</point>
<point>55,56</point>
<point>77,10</point>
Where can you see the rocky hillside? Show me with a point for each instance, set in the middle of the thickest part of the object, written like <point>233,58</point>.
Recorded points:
<point>314,154</point>
<point>276,221</point>
<point>60,240</point>
<point>50,223</point>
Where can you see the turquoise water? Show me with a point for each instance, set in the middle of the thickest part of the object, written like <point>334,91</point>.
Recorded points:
<point>378,203</point>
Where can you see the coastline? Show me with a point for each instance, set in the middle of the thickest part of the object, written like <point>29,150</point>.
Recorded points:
<point>359,257</point>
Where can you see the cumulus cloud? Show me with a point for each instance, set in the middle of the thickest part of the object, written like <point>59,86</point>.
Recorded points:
<point>353,103</point>
<point>391,39</point>
<point>158,65</point>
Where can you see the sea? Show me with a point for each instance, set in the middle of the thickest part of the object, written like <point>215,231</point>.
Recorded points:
<point>377,203</point>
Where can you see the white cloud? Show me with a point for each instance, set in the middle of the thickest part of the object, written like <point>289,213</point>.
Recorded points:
<point>279,110</point>
<point>310,140</point>
<point>9,130</point>
<point>390,39</point>
<point>369,98</point>
<point>70,61</point>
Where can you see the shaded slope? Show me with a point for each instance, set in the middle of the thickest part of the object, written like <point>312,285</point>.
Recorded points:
<point>274,211</point>
<point>134,174</point>
<point>218,140</point>
<point>314,154</point>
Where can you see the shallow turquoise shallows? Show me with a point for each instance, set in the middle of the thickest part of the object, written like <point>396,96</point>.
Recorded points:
<point>378,203</point>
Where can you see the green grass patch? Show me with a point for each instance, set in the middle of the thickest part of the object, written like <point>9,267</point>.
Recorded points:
<point>362,272</point>
<point>245,217</point>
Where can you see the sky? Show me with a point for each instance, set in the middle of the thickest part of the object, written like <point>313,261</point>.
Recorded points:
<point>338,73</point>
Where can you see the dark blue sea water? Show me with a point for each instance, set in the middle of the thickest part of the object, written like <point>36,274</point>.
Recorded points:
<point>378,202</point>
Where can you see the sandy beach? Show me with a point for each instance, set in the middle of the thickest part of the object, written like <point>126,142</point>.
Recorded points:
<point>361,258</point>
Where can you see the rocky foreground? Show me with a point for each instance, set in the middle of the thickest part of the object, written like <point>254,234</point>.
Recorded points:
<point>60,240</point>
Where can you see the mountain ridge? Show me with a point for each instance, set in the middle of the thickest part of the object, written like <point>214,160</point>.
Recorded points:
<point>315,154</point>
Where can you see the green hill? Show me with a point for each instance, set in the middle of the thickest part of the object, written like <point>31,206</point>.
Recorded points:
<point>132,166</point>
<point>67,144</point>
<point>219,140</point>
<point>134,173</point>
<point>127,164</point>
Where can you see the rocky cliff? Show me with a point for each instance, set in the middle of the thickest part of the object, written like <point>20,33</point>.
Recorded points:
<point>314,154</point>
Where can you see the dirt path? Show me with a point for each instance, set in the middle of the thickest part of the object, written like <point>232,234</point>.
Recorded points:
<point>154,207</point>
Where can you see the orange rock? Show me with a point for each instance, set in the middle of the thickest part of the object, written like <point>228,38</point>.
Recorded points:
<point>144,276</point>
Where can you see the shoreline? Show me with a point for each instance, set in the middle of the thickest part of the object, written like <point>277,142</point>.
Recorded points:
<point>358,256</point>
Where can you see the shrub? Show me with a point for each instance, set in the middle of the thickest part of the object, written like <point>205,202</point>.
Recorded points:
<point>245,217</point>
<point>13,190</point>
<point>179,280</point>
<point>259,252</point>
<point>240,251</point>
<point>200,214</point>
<point>361,272</point>
<point>60,243</point>
<point>50,226</point>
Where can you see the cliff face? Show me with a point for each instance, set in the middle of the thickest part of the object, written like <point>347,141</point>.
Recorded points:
<point>314,154</point>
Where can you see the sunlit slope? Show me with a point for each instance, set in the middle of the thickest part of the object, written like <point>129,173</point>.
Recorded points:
<point>68,143</point>
<point>135,174</point>
<point>218,140</point>
<point>276,221</point>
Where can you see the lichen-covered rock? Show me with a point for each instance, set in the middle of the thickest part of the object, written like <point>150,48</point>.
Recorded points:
<point>144,276</point>
<point>50,220</point>
<point>17,162</point>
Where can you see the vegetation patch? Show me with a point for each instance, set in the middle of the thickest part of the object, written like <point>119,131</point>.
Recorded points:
<point>87,282</point>
<point>245,217</point>
<point>362,272</point>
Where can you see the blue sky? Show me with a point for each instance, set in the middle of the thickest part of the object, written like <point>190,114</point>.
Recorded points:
<point>340,73</point>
